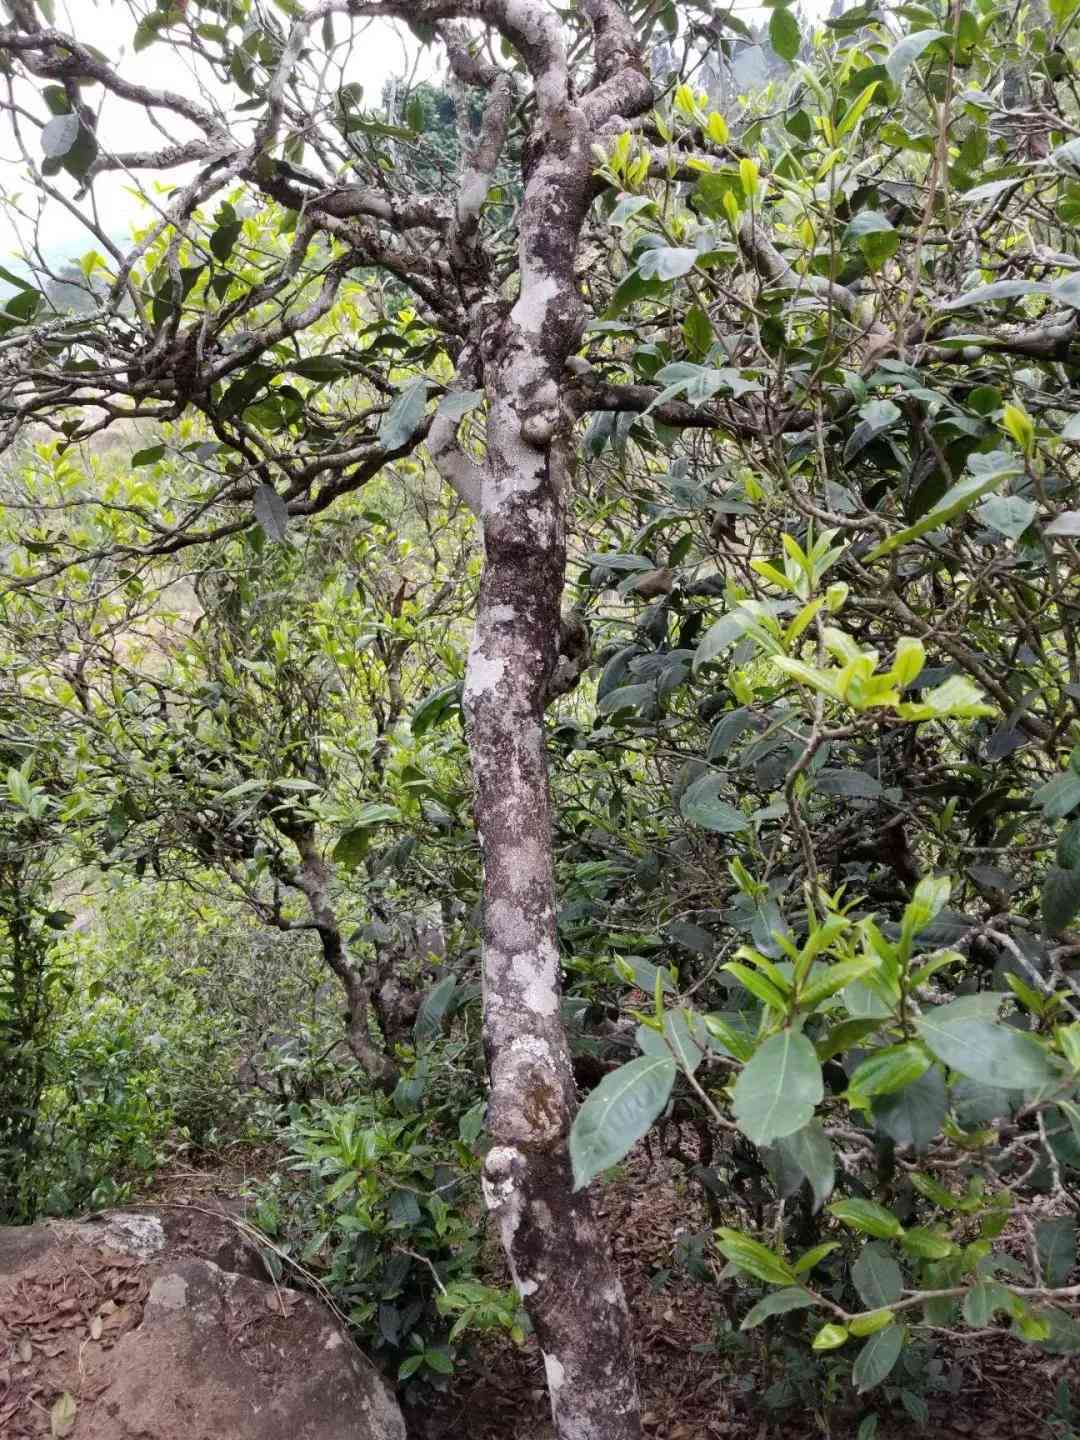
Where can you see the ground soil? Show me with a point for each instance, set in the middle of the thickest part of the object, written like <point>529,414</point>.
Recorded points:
<point>698,1379</point>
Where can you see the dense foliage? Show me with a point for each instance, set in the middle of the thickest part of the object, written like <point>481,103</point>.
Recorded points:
<point>815,780</point>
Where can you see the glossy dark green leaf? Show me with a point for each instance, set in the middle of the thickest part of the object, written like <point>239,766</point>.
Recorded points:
<point>811,1151</point>
<point>877,1358</point>
<point>984,1050</point>
<point>1060,898</point>
<point>777,1091</point>
<point>877,1277</point>
<point>914,1115</point>
<point>780,1302</point>
<point>618,1113</point>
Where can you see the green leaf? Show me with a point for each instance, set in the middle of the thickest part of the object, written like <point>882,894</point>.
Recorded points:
<point>759,985</point>
<point>697,331</point>
<point>849,784</point>
<point>784,36</point>
<point>1068,846</point>
<point>887,1070</point>
<point>877,1358</point>
<point>867,1216</point>
<point>438,1360</point>
<point>435,708</point>
<point>777,1091</point>
<point>246,787</point>
<point>726,1036</point>
<point>984,1050</point>
<point>780,1302</point>
<point>956,698</point>
<point>1056,1243</point>
<point>617,1114</point>
<point>271,512</point>
<point>352,847</point>
<point>925,1244</point>
<point>989,471</point>
<point>1060,898</point>
<point>829,1337</point>
<point>1059,796</point>
<point>149,456</point>
<point>13,279</point>
<point>753,1257</point>
<point>826,980</point>
<point>904,55</point>
<point>700,803</point>
<point>685,1033</point>
<point>983,1301</point>
<point>224,238</point>
<point>854,113</point>
<point>914,1116</point>
<point>999,290</point>
<point>59,135</point>
<point>666,262</point>
<point>814,1256</point>
<point>626,697</point>
<point>1009,515</point>
<point>433,1007</point>
<point>877,1277</point>
<point>457,403</point>
<point>320,367</point>
<point>722,635</point>
<point>810,1151</point>
<point>405,415</point>
<point>870,1322</point>
<point>990,191</point>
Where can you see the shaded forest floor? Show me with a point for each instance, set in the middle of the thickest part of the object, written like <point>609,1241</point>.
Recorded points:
<point>700,1379</point>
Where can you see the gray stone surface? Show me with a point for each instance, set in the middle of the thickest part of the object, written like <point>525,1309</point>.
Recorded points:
<point>165,1343</point>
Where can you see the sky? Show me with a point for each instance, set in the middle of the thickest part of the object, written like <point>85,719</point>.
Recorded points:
<point>109,25</point>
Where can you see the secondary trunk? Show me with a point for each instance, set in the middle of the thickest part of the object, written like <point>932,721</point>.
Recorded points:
<point>558,1255</point>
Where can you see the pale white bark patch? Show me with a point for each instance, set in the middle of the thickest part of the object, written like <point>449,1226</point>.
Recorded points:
<point>485,672</point>
<point>509,923</point>
<point>500,1188</point>
<point>527,1288</point>
<point>537,974</point>
<point>471,197</point>
<point>502,614</point>
<point>534,1047</point>
<point>503,1197</point>
<point>538,291</point>
<point>555,1371</point>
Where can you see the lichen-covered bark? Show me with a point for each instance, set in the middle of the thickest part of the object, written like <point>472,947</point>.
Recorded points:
<point>558,1256</point>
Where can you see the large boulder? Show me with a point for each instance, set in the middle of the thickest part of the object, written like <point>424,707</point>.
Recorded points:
<point>161,1324</point>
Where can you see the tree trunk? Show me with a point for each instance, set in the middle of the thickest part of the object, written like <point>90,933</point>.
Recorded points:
<point>559,1258</point>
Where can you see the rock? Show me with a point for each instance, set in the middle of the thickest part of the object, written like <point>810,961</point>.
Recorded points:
<point>162,1325</point>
